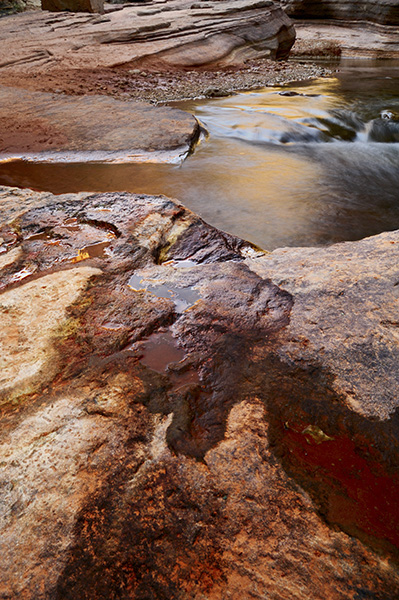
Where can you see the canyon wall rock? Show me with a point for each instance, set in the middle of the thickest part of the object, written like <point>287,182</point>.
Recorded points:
<point>204,420</point>
<point>348,39</point>
<point>374,11</point>
<point>366,29</point>
<point>164,34</point>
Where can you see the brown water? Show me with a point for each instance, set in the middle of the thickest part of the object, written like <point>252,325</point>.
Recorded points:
<point>160,350</point>
<point>305,164</point>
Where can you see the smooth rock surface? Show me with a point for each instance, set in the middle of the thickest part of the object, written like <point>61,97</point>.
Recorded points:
<point>214,422</point>
<point>65,128</point>
<point>359,345</point>
<point>174,33</point>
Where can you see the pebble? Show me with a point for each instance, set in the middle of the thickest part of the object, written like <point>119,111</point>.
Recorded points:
<point>192,84</point>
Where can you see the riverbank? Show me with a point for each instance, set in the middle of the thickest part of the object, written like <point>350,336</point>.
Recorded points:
<point>155,51</point>
<point>168,85</point>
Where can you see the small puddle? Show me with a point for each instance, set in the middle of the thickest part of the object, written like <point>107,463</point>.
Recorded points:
<point>183,297</point>
<point>72,233</point>
<point>180,264</point>
<point>98,250</point>
<point>43,235</point>
<point>160,350</point>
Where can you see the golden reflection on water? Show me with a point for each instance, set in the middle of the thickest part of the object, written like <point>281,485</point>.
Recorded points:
<point>311,96</point>
<point>234,186</point>
<point>264,173</point>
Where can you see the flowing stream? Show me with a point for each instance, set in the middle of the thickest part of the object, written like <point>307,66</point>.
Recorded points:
<point>306,164</point>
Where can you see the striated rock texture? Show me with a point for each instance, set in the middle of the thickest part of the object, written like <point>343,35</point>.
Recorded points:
<point>350,39</point>
<point>89,6</point>
<point>168,34</point>
<point>89,128</point>
<point>186,417</point>
<point>374,11</point>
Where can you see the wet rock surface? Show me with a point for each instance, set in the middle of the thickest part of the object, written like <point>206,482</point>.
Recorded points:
<point>206,421</point>
<point>45,125</point>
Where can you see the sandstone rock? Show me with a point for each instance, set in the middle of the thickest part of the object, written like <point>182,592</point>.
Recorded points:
<point>89,6</point>
<point>329,280</point>
<point>375,11</point>
<point>70,128</point>
<point>22,311</point>
<point>341,27</point>
<point>174,33</point>
<point>359,39</point>
<point>211,421</point>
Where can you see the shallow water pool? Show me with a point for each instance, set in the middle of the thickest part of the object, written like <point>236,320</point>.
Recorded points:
<point>305,164</point>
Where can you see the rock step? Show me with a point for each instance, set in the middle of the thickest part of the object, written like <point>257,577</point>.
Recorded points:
<point>178,34</point>
<point>63,128</point>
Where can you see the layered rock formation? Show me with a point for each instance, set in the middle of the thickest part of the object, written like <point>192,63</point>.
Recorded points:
<point>374,11</point>
<point>358,40</point>
<point>173,33</point>
<point>183,416</point>
<point>330,28</point>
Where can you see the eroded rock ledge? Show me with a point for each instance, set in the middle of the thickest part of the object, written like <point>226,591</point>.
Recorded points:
<point>366,29</point>
<point>174,33</point>
<point>184,416</point>
<point>46,127</point>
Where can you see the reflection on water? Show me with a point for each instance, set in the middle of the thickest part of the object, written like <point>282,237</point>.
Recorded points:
<point>183,297</point>
<point>312,163</point>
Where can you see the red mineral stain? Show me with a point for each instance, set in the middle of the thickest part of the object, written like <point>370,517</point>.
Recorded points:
<point>360,496</point>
